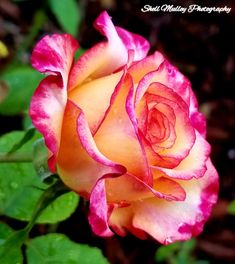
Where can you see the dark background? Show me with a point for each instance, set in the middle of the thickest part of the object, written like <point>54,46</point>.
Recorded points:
<point>201,45</point>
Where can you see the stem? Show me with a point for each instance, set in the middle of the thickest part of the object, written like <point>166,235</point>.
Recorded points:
<point>16,157</point>
<point>17,239</point>
<point>47,197</point>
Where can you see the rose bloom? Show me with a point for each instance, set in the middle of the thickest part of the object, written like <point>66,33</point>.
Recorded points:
<point>123,131</point>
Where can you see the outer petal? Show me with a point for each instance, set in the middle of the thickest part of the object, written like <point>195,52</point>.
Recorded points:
<point>53,54</point>
<point>99,211</point>
<point>171,221</point>
<point>134,42</point>
<point>120,192</point>
<point>107,57</point>
<point>127,188</point>
<point>80,163</point>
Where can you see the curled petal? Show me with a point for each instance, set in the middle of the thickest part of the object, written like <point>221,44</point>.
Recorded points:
<point>116,137</point>
<point>184,131</point>
<point>131,114</point>
<point>54,55</point>
<point>79,162</point>
<point>99,210</point>
<point>46,112</point>
<point>192,166</point>
<point>181,85</point>
<point>121,191</point>
<point>145,66</point>
<point>134,42</point>
<point>171,221</point>
<point>107,57</point>
<point>127,189</point>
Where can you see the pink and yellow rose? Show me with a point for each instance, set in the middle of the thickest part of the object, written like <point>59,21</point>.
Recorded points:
<point>123,130</point>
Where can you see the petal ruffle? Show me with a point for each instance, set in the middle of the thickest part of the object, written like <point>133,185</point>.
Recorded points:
<point>134,42</point>
<point>184,132</point>
<point>46,112</point>
<point>106,57</point>
<point>110,193</point>
<point>181,85</point>
<point>54,55</point>
<point>99,210</point>
<point>171,221</point>
<point>127,188</point>
<point>192,166</point>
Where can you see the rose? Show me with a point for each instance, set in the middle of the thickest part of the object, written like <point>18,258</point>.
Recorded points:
<point>123,130</point>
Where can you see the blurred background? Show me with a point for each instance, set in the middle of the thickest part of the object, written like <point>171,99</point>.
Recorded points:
<point>201,45</point>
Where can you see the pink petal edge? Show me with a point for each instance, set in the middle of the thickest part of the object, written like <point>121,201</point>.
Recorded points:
<point>54,55</point>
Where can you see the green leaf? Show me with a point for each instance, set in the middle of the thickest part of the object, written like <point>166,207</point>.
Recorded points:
<point>57,248</point>
<point>60,209</point>
<point>10,246</point>
<point>231,208</point>
<point>27,136</point>
<point>185,254</point>
<point>27,123</point>
<point>21,188</point>
<point>178,252</point>
<point>21,81</point>
<point>67,13</point>
<point>164,252</point>
<point>5,232</point>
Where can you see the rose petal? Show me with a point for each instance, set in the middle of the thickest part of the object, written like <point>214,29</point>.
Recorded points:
<point>130,110</point>
<point>80,163</point>
<point>94,98</point>
<point>99,211</point>
<point>46,112</point>
<point>194,165</point>
<point>181,85</point>
<point>199,122</point>
<point>170,221</point>
<point>120,192</point>
<point>116,137</point>
<point>134,42</point>
<point>128,188</point>
<point>184,132</point>
<point>106,57</point>
<point>53,54</point>
<point>145,66</point>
